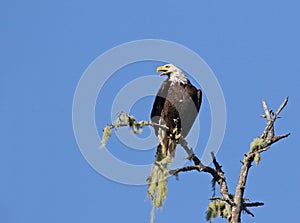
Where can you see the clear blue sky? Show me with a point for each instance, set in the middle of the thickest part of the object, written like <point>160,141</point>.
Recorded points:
<point>252,47</point>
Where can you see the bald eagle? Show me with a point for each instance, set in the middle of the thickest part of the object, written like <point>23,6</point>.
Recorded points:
<point>176,106</point>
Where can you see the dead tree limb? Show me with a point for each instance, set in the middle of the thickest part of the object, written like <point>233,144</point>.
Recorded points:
<point>235,204</point>
<point>259,145</point>
<point>217,173</point>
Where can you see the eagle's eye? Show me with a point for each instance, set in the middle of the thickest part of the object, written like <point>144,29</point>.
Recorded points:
<point>167,66</point>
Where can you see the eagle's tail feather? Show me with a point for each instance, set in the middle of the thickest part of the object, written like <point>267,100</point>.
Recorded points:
<point>159,154</point>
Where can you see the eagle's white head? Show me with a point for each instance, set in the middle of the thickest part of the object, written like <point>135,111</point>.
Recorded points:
<point>174,74</point>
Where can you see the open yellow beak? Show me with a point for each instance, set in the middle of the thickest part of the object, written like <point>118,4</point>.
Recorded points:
<point>161,68</point>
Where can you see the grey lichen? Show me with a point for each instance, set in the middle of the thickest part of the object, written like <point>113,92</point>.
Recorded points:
<point>257,144</point>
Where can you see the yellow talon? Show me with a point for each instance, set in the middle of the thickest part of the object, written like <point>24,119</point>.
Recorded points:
<point>177,137</point>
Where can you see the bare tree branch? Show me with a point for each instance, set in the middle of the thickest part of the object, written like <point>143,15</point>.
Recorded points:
<point>217,173</point>
<point>236,205</point>
<point>266,139</point>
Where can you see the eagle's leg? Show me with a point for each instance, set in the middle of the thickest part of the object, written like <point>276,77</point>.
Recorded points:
<point>167,147</point>
<point>175,134</point>
<point>173,138</point>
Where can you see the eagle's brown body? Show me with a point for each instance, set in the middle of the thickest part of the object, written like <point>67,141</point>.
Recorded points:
<point>176,105</point>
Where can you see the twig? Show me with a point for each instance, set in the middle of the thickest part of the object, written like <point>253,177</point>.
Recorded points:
<point>141,123</point>
<point>254,204</point>
<point>229,201</point>
<point>248,211</point>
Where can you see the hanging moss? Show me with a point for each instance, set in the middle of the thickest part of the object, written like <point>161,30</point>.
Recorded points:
<point>257,158</point>
<point>105,136</point>
<point>216,209</point>
<point>157,184</point>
